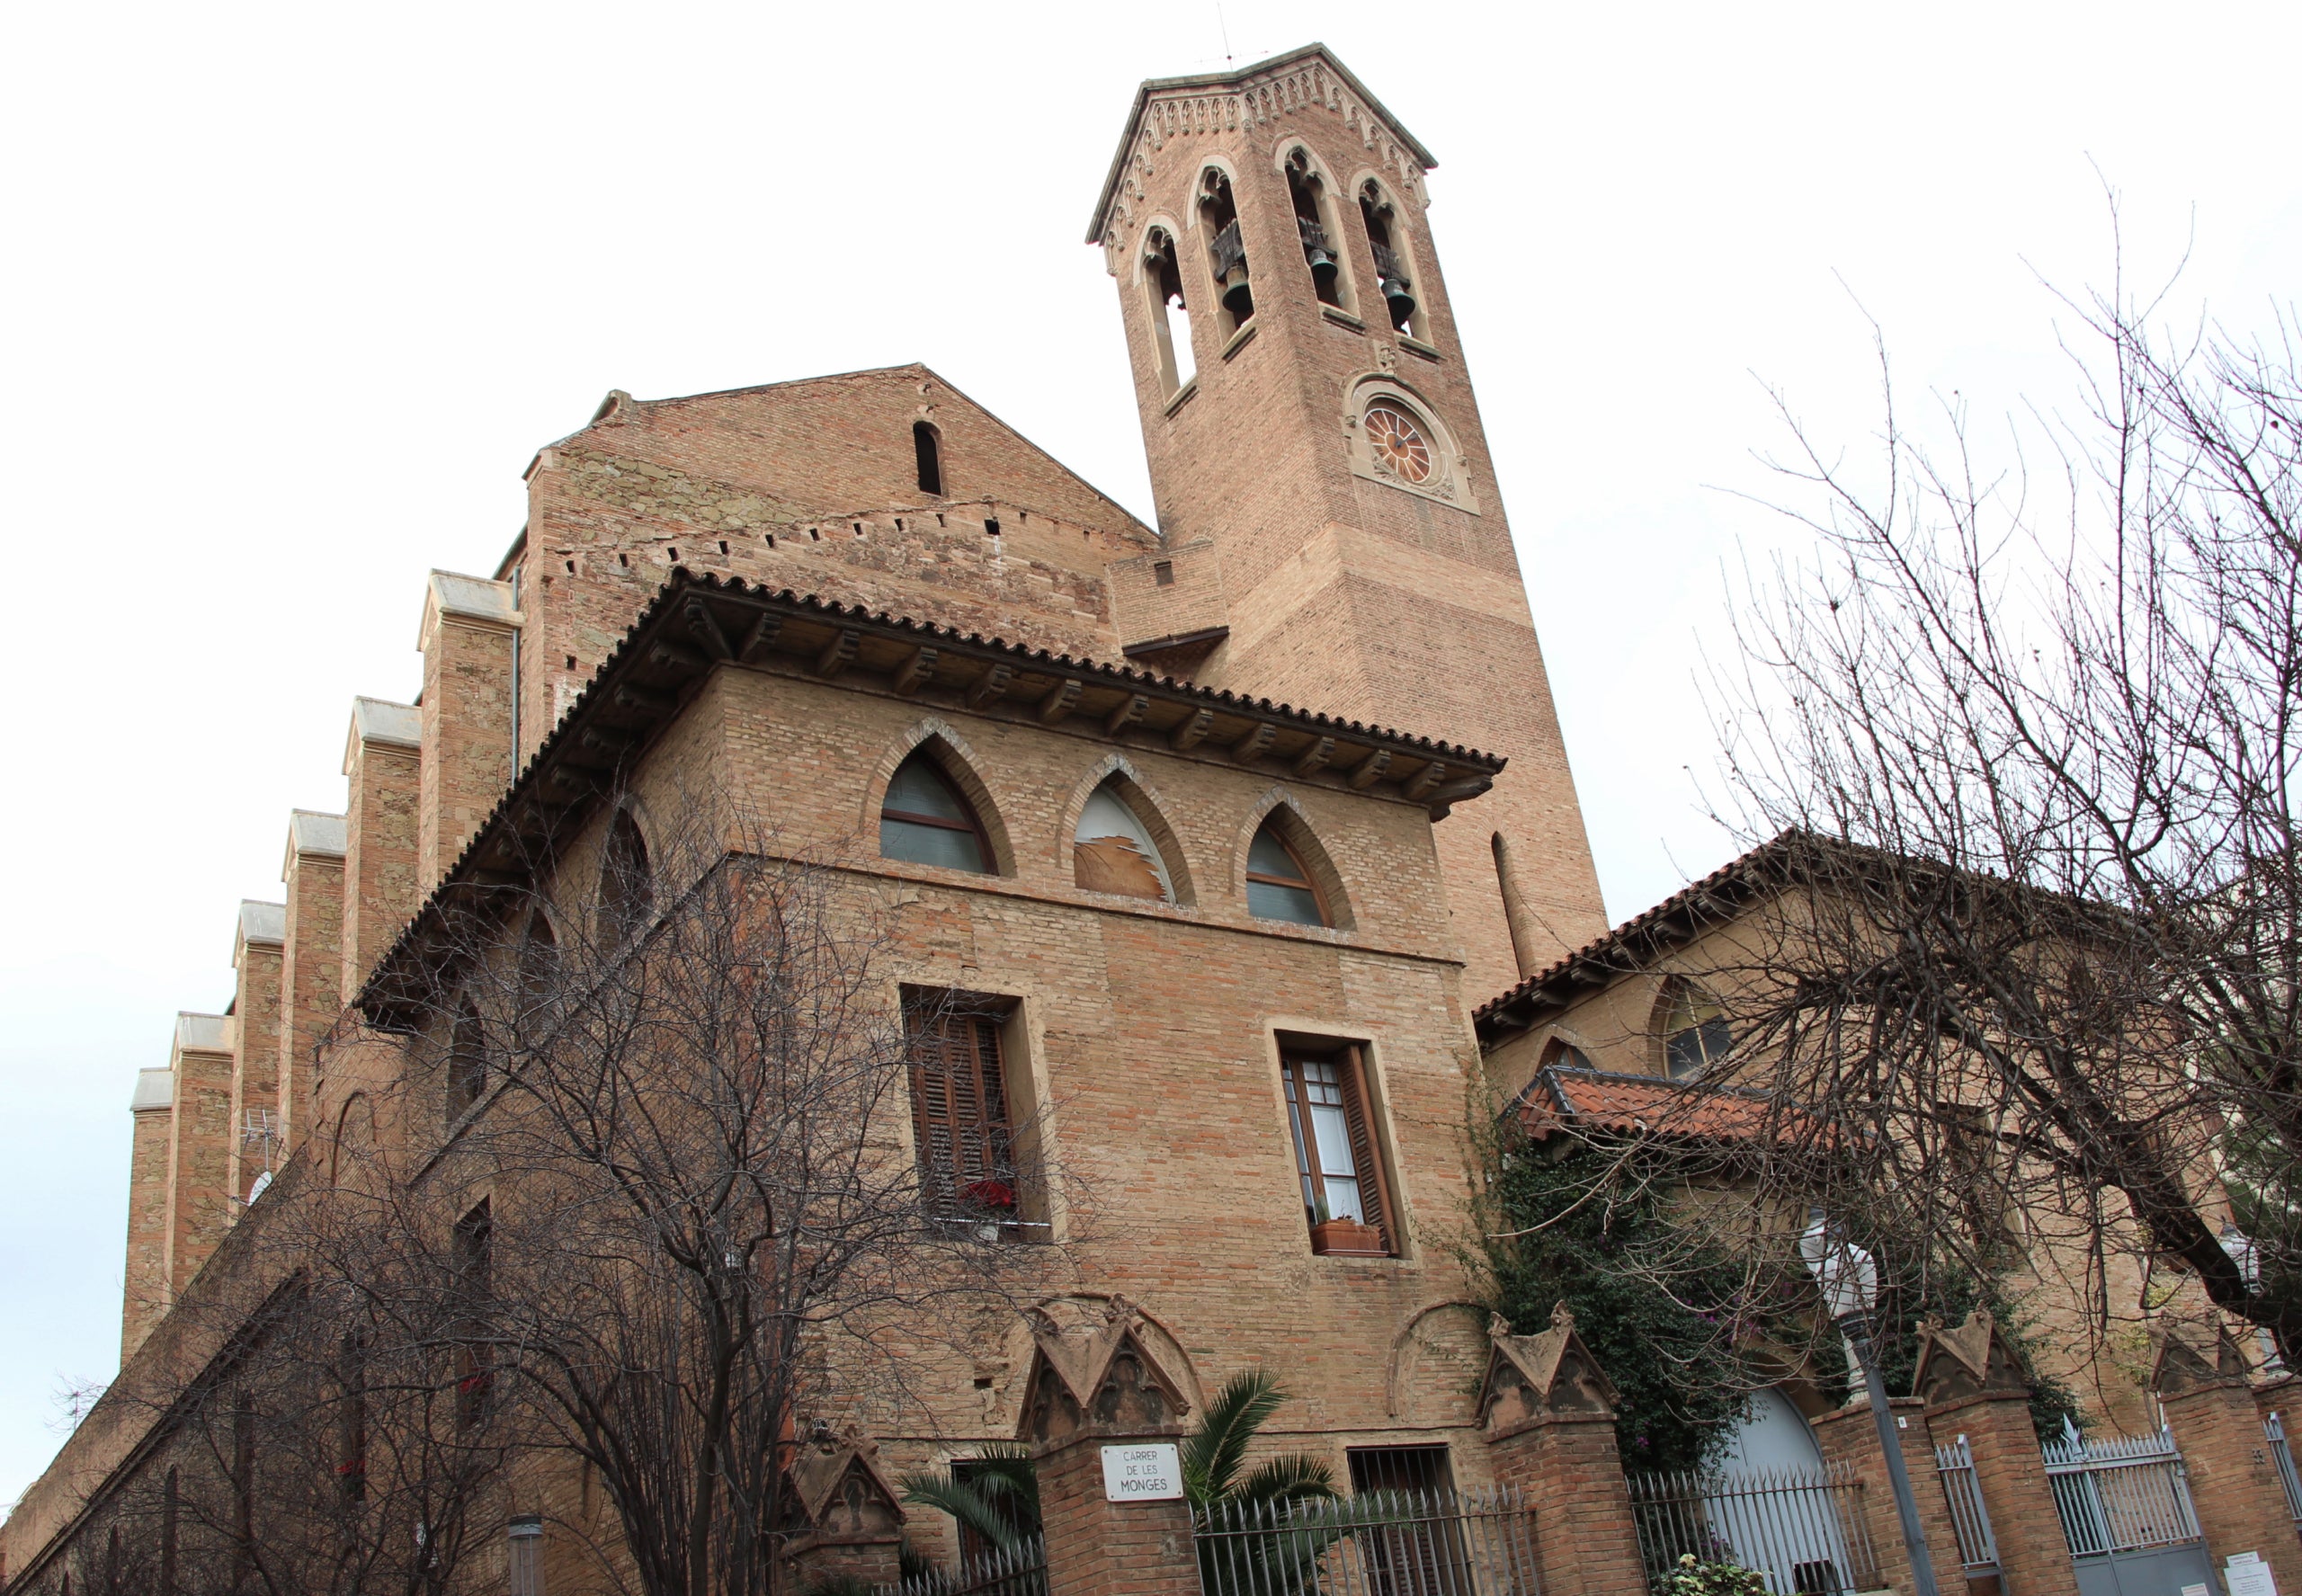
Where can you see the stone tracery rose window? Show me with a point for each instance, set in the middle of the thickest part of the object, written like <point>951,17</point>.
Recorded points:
<point>1397,443</point>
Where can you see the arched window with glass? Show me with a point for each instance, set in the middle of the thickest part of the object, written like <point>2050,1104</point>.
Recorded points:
<point>1695,1033</point>
<point>1113,850</point>
<point>924,819</point>
<point>627,882</point>
<point>1278,884</point>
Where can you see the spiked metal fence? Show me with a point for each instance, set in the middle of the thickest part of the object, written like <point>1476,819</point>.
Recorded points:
<point>1381,1542</point>
<point>1978,1546</point>
<point>1801,1528</point>
<point>2274,1432</point>
<point>2121,1495</point>
<point>1019,1571</point>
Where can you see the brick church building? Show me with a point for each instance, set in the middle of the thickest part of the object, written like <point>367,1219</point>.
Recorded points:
<point>1228,825</point>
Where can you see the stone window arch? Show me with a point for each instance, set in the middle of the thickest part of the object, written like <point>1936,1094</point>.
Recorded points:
<point>1563,1053</point>
<point>542,967</point>
<point>1692,1031</point>
<point>1285,873</point>
<point>931,801</point>
<point>1227,250</point>
<point>626,895</point>
<point>1318,228</point>
<point>927,448</point>
<point>467,1081</point>
<point>1383,221</point>
<point>1121,842</point>
<point>1166,307</point>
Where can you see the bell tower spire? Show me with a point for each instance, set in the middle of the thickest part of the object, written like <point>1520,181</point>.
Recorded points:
<point>1333,533</point>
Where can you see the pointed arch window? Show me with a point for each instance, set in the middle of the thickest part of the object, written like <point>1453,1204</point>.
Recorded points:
<point>1170,314</point>
<point>538,975</point>
<point>1111,850</point>
<point>1279,887</point>
<point>925,820</point>
<point>1226,251</point>
<point>1379,217</point>
<point>1696,1034</point>
<point>467,1061</point>
<point>1314,225</point>
<point>627,883</point>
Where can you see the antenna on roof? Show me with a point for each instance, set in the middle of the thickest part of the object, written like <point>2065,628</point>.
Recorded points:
<point>1224,28</point>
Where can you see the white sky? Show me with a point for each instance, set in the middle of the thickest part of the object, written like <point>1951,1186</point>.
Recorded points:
<point>291,295</point>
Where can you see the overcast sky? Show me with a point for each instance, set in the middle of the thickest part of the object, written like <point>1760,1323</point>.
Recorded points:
<point>291,295</point>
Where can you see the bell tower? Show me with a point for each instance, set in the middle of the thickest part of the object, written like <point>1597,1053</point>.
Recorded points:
<point>1333,537</point>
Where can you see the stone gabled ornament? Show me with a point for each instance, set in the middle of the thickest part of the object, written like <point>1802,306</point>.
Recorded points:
<point>1101,1376</point>
<point>2187,1359</point>
<point>1975,1360</point>
<point>843,1493</point>
<point>1552,1374</point>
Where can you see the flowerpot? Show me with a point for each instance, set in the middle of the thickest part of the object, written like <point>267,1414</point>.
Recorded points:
<point>1348,1238</point>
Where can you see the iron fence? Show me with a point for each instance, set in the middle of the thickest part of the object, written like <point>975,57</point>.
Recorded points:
<point>2281,1454</point>
<point>1019,1571</point>
<point>1379,1543</point>
<point>1978,1546</point>
<point>1801,1529</point>
<point>2121,1494</point>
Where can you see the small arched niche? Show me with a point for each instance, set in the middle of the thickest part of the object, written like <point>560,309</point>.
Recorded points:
<point>1288,877</point>
<point>925,818</point>
<point>1114,848</point>
<point>627,881</point>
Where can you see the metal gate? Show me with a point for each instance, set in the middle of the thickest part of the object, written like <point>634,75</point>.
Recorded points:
<point>2127,1515</point>
<point>1978,1546</point>
<point>2274,1432</point>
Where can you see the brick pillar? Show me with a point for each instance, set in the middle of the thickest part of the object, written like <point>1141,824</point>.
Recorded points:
<point>1851,1436</point>
<point>383,767</point>
<point>470,631</point>
<point>147,1296</point>
<point>1972,1385</point>
<point>1091,1387</point>
<point>2211,1409</point>
<point>311,962</point>
<point>199,1209</point>
<point>854,1517</point>
<point>1549,1412</point>
<point>257,952</point>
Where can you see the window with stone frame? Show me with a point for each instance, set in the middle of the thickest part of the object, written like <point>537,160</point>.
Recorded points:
<point>1695,1031</point>
<point>471,1261</point>
<point>467,1061</point>
<point>963,1121</point>
<point>1278,884</point>
<point>627,882</point>
<point>1338,1158</point>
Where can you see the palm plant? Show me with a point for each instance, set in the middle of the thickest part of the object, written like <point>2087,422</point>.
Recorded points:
<point>996,1498</point>
<point>1272,1545</point>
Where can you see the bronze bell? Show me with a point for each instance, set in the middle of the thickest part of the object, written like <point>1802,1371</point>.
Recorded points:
<point>1238,298</point>
<point>1323,272</point>
<point>1400,302</point>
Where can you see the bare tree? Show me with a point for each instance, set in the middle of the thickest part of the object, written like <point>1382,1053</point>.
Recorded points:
<point>2017,981</point>
<point>651,1159</point>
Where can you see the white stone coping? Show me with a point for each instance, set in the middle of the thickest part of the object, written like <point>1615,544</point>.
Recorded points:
<point>156,1089</point>
<point>203,1033</point>
<point>310,832</point>
<point>262,925</point>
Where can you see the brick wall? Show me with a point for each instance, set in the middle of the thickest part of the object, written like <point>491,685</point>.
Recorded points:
<point>199,1201</point>
<point>311,968</point>
<point>382,769</point>
<point>257,956</point>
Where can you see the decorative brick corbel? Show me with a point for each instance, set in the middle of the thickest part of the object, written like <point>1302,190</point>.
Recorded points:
<point>1975,1360</point>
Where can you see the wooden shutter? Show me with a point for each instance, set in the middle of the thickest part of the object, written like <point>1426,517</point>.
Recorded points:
<point>959,1103</point>
<point>1374,1190</point>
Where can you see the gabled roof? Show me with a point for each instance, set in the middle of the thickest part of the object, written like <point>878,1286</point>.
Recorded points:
<point>1626,1104</point>
<point>1674,922</point>
<point>1239,79</point>
<point>696,623</point>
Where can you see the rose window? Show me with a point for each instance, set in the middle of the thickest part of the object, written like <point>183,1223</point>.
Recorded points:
<point>1398,444</point>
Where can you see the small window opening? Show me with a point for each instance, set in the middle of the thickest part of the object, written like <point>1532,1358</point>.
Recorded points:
<point>991,525</point>
<point>1390,262</point>
<point>1111,850</point>
<point>1226,251</point>
<point>723,545</point>
<point>815,534</point>
<point>467,1062</point>
<point>923,820</point>
<point>939,521</point>
<point>472,1261</point>
<point>571,662</point>
<point>1320,251</point>
<point>899,523</point>
<point>1170,315</point>
<point>1278,886</point>
<point>857,526</point>
<point>927,445</point>
<point>627,884</point>
<point>1163,572</point>
<point>1696,1034</point>
<point>674,553</point>
<point>571,567</point>
<point>770,539</point>
<point>622,558</point>
<point>1337,1161</point>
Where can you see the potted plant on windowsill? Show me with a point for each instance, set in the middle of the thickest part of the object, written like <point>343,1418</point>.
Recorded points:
<point>1344,1238</point>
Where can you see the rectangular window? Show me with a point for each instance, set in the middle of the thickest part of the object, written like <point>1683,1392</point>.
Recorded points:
<point>1418,1544</point>
<point>969,1166</point>
<point>473,1260</point>
<point>1336,1160</point>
